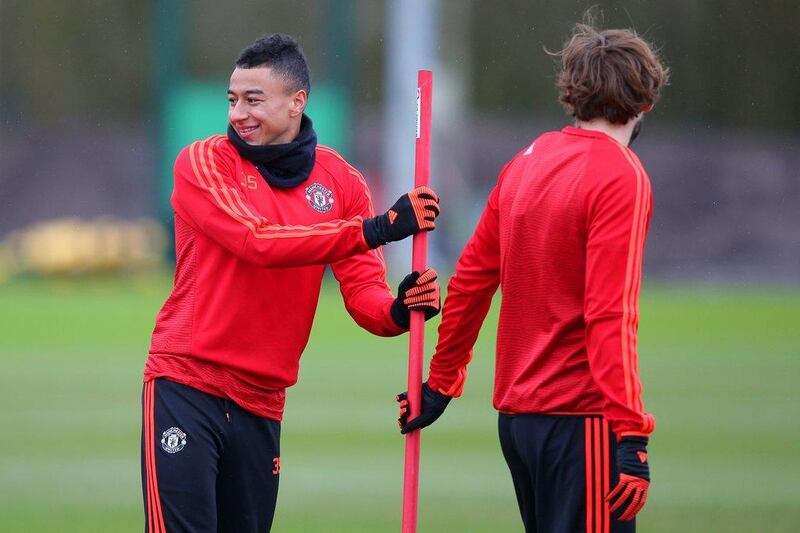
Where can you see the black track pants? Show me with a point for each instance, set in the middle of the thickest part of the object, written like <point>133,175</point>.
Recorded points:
<point>207,464</point>
<point>562,468</point>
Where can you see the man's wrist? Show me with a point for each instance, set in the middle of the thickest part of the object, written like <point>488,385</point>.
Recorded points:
<point>635,439</point>
<point>400,314</point>
<point>632,457</point>
<point>435,394</point>
<point>371,229</point>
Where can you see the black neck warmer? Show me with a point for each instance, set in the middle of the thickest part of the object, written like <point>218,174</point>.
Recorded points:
<point>283,165</point>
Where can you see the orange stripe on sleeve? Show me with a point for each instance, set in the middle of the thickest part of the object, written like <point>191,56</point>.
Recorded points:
<point>215,179</point>
<point>647,196</point>
<point>193,160</point>
<point>636,384</point>
<point>626,317</point>
<point>311,232</point>
<point>643,199</point>
<point>241,208</point>
<point>201,175</point>
<point>227,195</point>
<point>212,164</point>
<point>630,296</point>
<point>320,225</point>
<point>223,195</point>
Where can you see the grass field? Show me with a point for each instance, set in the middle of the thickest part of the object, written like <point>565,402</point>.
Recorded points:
<point>720,368</point>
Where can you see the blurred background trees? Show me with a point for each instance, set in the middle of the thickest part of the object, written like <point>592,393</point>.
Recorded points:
<point>97,98</point>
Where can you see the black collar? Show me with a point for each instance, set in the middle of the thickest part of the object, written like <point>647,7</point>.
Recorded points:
<point>283,165</point>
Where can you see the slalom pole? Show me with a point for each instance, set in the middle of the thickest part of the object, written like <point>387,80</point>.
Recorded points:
<point>416,344</point>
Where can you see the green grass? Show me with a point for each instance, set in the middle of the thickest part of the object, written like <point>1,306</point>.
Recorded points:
<point>720,367</point>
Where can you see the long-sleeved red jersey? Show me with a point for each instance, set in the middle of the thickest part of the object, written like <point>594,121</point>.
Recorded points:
<point>250,260</point>
<point>562,234</point>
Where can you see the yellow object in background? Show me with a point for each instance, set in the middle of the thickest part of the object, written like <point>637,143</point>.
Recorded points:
<point>73,245</point>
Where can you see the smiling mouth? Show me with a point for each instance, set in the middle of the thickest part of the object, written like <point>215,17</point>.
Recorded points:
<point>246,131</point>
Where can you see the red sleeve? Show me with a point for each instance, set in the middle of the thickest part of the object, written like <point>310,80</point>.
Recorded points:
<point>208,196</point>
<point>362,277</point>
<point>469,296</point>
<point>618,206</point>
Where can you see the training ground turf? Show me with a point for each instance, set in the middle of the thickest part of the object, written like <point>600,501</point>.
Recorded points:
<point>720,368</point>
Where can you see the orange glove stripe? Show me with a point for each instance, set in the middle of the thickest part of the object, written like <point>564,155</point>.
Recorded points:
<point>425,218</point>
<point>629,489</point>
<point>422,289</point>
<point>427,277</point>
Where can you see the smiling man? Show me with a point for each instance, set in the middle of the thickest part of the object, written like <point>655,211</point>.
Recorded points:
<point>259,213</point>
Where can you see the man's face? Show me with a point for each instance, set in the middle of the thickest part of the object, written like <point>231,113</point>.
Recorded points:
<point>261,108</point>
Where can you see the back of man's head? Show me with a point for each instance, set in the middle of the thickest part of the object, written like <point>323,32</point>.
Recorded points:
<point>609,74</point>
<point>283,55</point>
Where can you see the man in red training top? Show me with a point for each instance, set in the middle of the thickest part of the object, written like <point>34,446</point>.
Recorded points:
<point>562,235</point>
<point>258,215</point>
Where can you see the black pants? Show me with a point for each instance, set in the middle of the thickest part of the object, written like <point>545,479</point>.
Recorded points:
<point>207,464</point>
<point>562,468</point>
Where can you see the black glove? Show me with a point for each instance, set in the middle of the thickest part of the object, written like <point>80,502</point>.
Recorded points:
<point>433,405</point>
<point>634,477</point>
<point>413,212</point>
<point>417,292</point>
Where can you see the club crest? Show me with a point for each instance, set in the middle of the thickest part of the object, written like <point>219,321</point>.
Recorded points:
<point>319,197</point>
<point>173,440</point>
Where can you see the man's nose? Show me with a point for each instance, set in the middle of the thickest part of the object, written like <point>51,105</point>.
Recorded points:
<point>237,113</point>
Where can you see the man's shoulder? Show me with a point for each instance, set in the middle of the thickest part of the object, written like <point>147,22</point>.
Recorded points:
<point>525,154</point>
<point>614,168</point>
<point>215,145</point>
<point>610,160</point>
<point>537,143</point>
<point>331,162</point>
<point>213,156</point>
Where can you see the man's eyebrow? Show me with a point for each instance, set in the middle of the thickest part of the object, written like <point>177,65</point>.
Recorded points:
<point>249,91</point>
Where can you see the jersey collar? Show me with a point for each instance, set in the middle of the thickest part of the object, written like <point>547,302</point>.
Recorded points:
<point>574,130</point>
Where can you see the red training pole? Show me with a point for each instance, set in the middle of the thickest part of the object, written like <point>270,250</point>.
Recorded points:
<point>416,344</point>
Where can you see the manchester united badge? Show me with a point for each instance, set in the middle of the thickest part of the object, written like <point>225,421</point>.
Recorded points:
<point>319,197</point>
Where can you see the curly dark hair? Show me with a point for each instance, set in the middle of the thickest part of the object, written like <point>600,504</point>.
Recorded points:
<point>283,55</point>
<point>611,74</point>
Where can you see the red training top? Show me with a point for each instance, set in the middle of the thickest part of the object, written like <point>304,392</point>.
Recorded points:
<point>562,234</point>
<point>250,260</point>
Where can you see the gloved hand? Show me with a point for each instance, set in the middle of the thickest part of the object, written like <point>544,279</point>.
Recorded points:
<point>433,405</point>
<point>413,212</point>
<point>634,477</point>
<point>417,292</point>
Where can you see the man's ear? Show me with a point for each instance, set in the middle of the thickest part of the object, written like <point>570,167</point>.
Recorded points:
<point>299,101</point>
<point>648,107</point>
